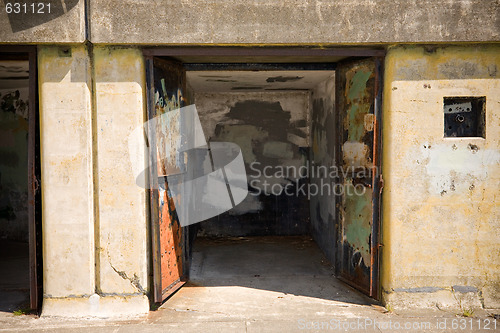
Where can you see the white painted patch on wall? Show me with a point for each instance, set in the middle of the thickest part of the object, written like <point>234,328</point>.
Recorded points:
<point>456,166</point>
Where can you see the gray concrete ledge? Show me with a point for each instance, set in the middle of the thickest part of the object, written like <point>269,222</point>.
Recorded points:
<point>96,306</point>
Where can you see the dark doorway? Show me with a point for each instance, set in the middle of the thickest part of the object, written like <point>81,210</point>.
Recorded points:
<point>20,229</point>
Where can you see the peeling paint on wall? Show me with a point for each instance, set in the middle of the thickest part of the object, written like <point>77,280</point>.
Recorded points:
<point>456,168</point>
<point>323,136</point>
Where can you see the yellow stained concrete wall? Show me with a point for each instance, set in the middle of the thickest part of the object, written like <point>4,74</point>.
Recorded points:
<point>441,212</point>
<point>94,216</point>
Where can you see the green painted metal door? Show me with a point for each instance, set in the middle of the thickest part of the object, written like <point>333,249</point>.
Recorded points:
<point>358,102</point>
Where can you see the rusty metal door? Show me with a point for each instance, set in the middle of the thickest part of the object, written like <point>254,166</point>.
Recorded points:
<point>358,103</point>
<point>166,82</point>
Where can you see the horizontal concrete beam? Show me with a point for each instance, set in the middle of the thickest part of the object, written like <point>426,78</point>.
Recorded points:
<point>293,21</point>
<point>252,22</point>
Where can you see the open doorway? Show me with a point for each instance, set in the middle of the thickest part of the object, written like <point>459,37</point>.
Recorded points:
<point>298,126</point>
<point>20,234</point>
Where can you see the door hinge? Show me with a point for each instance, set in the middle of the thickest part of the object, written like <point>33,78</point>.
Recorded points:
<point>381,183</point>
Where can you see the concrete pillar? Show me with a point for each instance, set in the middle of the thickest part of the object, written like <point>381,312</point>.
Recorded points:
<point>122,237</point>
<point>66,167</point>
<point>94,216</point>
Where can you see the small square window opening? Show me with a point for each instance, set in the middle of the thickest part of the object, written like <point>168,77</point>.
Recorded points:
<point>464,117</point>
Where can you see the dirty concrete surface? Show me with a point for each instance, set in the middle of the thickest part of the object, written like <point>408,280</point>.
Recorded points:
<point>262,284</point>
<point>236,22</point>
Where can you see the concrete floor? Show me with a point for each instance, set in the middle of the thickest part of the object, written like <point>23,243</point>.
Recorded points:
<point>259,280</point>
<point>258,284</point>
<point>274,284</point>
<point>14,277</point>
<point>284,267</point>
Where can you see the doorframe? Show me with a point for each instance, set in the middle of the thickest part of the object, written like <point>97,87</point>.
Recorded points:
<point>34,178</point>
<point>378,54</point>
<point>153,239</point>
<point>260,51</point>
<point>378,181</point>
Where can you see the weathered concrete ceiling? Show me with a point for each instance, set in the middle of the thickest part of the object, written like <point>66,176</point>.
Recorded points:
<point>200,59</point>
<point>14,74</point>
<point>61,22</point>
<point>255,22</point>
<point>238,81</point>
<point>294,21</point>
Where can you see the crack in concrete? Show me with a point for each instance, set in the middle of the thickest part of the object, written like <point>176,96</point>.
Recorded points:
<point>134,281</point>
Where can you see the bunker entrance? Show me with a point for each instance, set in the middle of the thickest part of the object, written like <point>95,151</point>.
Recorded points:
<point>308,135</point>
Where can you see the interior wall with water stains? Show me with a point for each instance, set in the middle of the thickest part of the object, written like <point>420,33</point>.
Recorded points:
<point>272,130</point>
<point>322,160</point>
<point>441,217</point>
<point>14,150</point>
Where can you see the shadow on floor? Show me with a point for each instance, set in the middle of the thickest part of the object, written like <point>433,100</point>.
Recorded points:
<point>14,279</point>
<point>290,265</point>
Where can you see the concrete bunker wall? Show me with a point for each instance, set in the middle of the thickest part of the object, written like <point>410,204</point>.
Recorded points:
<point>440,202</point>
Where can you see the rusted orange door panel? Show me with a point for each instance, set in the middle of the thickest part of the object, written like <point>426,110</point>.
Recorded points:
<point>358,98</point>
<point>166,87</point>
